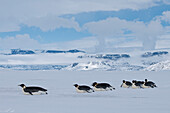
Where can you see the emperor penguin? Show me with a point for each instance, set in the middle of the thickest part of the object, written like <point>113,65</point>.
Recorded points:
<point>102,86</point>
<point>137,84</point>
<point>148,84</point>
<point>126,84</point>
<point>83,89</point>
<point>33,90</point>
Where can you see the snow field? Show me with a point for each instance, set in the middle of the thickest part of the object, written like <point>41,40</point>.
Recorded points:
<point>63,98</point>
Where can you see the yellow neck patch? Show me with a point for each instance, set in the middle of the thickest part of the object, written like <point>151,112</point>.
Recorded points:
<point>95,84</point>
<point>24,87</point>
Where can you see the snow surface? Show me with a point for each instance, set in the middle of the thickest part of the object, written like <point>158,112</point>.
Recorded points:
<point>60,58</point>
<point>164,65</point>
<point>63,98</point>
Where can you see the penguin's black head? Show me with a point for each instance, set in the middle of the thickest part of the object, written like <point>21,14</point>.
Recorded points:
<point>146,80</point>
<point>124,81</point>
<point>94,83</point>
<point>133,81</point>
<point>75,85</point>
<point>22,85</point>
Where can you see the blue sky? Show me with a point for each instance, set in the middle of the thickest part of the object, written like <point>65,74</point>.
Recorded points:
<point>55,23</point>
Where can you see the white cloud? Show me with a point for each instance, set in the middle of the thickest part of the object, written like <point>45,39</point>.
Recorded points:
<point>84,43</point>
<point>89,44</point>
<point>9,24</point>
<point>110,27</point>
<point>114,28</point>
<point>32,8</point>
<point>130,44</point>
<point>46,14</point>
<point>164,40</point>
<point>166,2</point>
<point>50,23</point>
<point>165,16</point>
<point>163,43</point>
<point>21,10</point>
<point>19,41</point>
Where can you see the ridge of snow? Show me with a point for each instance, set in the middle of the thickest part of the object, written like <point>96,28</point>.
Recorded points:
<point>164,65</point>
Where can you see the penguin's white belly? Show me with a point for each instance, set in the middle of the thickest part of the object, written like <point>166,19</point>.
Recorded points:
<point>81,91</point>
<point>101,89</point>
<point>34,93</point>
<point>143,86</point>
<point>135,87</point>
<point>125,86</point>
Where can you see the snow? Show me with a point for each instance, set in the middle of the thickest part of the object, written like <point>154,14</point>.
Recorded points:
<point>60,58</point>
<point>133,61</point>
<point>63,98</point>
<point>58,73</point>
<point>164,65</point>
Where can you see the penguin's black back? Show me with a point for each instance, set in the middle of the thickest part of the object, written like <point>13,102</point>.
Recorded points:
<point>139,83</point>
<point>103,85</point>
<point>150,83</point>
<point>128,83</point>
<point>84,87</point>
<point>34,89</point>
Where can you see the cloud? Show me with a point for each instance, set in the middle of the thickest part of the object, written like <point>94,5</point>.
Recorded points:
<point>19,41</point>
<point>9,24</point>
<point>110,27</point>
<point>116,28</point>
<point>47,15</point>
<point>26,42</point>
<point>164,40</point>
<point>165,16</point>
<point>50,23</point>
<point>166,2</point>
<point>32,8</point>
<point>149,34</point>
<point>163,43</point>
<point>84,43</point>
<point>14,13</point>
<point>89,44</point>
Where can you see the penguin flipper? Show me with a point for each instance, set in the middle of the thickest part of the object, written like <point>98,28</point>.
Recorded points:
<point>30,93</point>
<point>90,91</point>
<point>112,88</point>
<point>155,85</point>
<point>152,86</point>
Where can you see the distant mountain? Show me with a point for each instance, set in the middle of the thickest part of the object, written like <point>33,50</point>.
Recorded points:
<point>157,53</point>
<point>23,52</point>
<point>26,52</point>
<point>33,67</point>
<point>58,51</point>
<point>106,56</point>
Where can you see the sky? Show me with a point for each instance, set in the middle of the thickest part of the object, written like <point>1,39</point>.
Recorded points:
<point>96,25</point>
